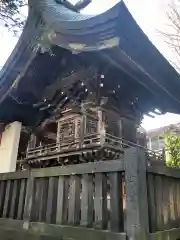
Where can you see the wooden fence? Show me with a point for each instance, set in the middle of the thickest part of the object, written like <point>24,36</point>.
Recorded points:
<point>163,185</point>
<point>88,201</point>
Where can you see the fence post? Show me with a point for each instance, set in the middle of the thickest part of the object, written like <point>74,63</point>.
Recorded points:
<point>137,222</point>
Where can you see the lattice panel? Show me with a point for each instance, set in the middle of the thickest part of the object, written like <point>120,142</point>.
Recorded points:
<point>78,134</point>
<point>67,130</point>
<point>91,125</point>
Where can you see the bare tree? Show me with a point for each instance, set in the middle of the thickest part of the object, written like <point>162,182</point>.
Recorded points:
<point>10,14</point>
<point>172,32</point>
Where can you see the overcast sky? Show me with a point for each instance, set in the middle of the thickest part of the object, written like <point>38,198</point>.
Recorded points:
<point>149,14</point>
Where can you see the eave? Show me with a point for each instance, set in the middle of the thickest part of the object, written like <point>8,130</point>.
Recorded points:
<point>150,74</point>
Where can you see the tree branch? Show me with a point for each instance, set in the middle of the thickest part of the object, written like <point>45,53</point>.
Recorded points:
<point>172,34</point>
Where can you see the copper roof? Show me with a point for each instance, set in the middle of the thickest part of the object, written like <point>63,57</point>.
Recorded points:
<point>111,43</point>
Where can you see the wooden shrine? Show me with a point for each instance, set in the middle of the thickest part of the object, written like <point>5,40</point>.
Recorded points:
<point>82,134</point>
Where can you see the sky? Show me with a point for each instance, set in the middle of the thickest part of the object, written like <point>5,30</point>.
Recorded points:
<point>150,16</point>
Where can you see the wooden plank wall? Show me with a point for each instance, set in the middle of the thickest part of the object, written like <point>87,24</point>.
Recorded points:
<point>87,195</point>
<point>163,198</point>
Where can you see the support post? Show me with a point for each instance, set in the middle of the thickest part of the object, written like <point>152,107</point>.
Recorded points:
<point>137,222</point>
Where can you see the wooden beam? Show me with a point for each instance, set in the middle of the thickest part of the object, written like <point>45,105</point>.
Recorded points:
<point>84,168</point>
<point>173,234</point>
<point>14,229</point>
<point>163,170</point>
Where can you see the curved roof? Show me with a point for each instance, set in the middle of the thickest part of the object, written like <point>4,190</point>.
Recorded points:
<point>113,37</point>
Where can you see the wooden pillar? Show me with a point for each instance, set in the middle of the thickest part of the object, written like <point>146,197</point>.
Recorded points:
<point>137,223</point>
<point>82,125</point>
<point>58,135</point>
<point>101,127</point>
<point>9,147</point>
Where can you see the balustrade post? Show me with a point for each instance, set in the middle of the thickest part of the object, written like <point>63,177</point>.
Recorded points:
<point>82,125</point>
<point>137,222</point>
<point>58,135</point>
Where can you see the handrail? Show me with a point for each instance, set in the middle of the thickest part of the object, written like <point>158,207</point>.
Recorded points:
<point>77,143</point>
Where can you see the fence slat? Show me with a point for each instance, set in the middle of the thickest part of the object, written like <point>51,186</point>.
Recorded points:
<point>29,200</point>
<point>175,191</point>
<point>151,202</point>
<point>159,200</point>
<point>62,200</point>
<point>36,200</point>
<point>51,200</point>
<point>87,202</point>
<point>172,203</point>
<point>21,199</point>
<point>13,207</point>
<point>178,200</point>
<point>7,199</point>
<point>100,201</point>
<point>74,200</point>
<point>2,196</point>
<point>116,202</point>
<point>43,195</point>
<point>165,203</point>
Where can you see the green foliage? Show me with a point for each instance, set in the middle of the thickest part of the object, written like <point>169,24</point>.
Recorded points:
<point>172,145</point>
<point>10,14</point>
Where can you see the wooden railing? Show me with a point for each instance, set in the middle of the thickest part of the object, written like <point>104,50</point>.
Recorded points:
<point>88,201</point>
<point>89,142</point>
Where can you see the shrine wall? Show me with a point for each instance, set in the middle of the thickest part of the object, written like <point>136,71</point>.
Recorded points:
<point>9,147</point>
